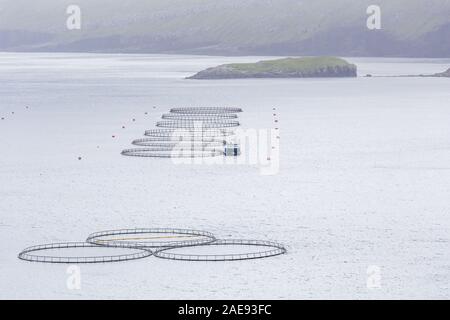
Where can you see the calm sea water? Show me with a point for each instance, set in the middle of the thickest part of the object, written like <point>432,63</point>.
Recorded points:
<point>364,177</point>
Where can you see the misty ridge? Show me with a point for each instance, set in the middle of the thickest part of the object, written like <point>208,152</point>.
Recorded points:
<point>410,28</point>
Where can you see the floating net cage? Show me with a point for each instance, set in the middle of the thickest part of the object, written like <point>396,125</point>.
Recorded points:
<point>189,133</point>
<point>167,152</point>
<point>274,249</point>
<point>160,242</point>
<point>191,124</point>
<point>29,254</point>
<point>199,117</point>
<point>205,110</point>
<point>151,238</point>
<point>203,143</point>
<point>185,134</point>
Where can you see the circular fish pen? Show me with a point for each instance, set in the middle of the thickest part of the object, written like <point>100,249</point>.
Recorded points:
<point>28,254</point>
<point>191,124</point>
<point>151,238</point>
<point>185,134</point>
<point>205,110</point>
<point>190,133</point>
<point>167,152</point>
<point>275,249</point>
<point>199,117</point>
<point>165,243</point>
<point>203,143</point>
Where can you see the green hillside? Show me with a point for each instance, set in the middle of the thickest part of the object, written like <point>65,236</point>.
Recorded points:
<point>282,27</point>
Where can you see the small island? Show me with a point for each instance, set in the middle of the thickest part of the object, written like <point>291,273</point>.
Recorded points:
<point>307,67</point>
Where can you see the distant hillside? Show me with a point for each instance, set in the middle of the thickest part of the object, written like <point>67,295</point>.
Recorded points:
<point>308,67</point>
<point>418,28</point>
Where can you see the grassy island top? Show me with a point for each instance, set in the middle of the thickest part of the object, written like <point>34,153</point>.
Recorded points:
<point>307,67</point>
<point>291,64</point>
